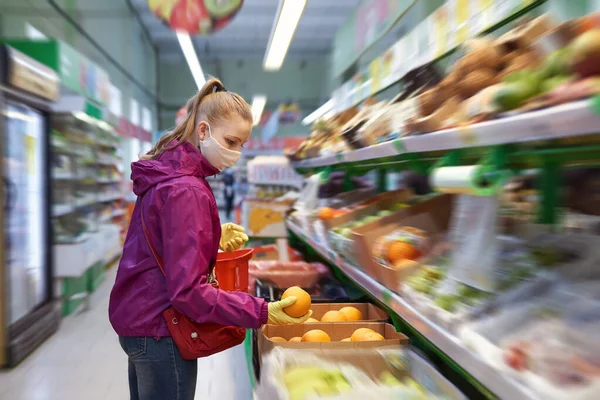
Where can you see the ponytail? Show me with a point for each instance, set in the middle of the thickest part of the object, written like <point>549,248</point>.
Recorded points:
<point>212,102</point>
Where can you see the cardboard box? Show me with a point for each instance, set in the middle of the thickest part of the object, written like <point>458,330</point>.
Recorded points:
<point>370,312</point>
<point>432,216</point>
<point>336,331</point>
<point>382,201</point>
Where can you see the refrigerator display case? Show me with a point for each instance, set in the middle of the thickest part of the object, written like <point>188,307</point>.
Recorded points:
<point>28,313</point>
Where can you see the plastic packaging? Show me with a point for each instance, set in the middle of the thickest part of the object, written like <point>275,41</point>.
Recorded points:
<point>287,274</point>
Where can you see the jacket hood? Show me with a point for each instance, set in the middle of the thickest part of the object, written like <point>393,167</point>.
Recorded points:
<point>184,160</point>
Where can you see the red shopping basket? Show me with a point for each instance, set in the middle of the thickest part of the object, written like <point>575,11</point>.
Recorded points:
<point>232,270</point>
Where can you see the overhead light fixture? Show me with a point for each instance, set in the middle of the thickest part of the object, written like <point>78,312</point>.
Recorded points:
<point>189,53</point>
<point>282,32</point>
<point>318,113</point>
<point>258,105</point>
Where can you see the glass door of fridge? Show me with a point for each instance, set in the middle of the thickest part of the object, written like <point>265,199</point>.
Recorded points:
<point>25,212</point>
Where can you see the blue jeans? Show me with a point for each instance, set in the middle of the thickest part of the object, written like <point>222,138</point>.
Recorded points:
<point>157,371</point>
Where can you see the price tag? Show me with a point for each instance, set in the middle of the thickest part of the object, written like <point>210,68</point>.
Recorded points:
<point>399,146</point>
<point>461,12</point>
<point>375,74</point>
<point>541,129</point>
<point>441,28</point>
<point>467,135</point>
<point>386,296</point>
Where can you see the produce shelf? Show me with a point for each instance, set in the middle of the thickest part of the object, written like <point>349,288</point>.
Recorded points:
<point>499,384</point>
<point>565,121</point>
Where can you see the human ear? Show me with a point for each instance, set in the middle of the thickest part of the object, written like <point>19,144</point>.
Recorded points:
<point>202,130</point>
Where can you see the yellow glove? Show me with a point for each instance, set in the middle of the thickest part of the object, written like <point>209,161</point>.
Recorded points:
<point>232,237</point>
<point>278,317</point>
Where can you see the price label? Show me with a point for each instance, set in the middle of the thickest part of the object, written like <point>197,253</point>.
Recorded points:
<point>467,135</point>
<point>461,12</point>
<point>375,73</point>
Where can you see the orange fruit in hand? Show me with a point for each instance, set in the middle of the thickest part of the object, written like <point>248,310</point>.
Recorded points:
<point>316,335</point>
<point>302,304</point>
<point>351,313</point>
<point>333,316</point>
<point>399,250</point>
<point>326,213</point>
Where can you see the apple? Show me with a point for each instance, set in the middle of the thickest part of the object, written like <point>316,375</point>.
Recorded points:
<point>186,16</point>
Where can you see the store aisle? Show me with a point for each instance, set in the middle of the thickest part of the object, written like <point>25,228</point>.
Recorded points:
<point>84,361</point>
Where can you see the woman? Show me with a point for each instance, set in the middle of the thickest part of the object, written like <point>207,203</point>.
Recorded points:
<point>183,227</point>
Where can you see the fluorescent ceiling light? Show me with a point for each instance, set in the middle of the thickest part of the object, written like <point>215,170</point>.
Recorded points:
<point>258,105</point>
<point>282,32</point>
<point>318,113</point>
<point>192,59</point>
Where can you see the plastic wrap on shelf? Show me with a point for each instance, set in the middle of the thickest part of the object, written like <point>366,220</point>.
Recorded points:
<point>386,374</point>
<point>549,343</point>
<point>286,274</point>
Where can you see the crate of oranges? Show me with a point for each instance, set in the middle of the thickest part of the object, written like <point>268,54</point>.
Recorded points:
<point>346,329</point>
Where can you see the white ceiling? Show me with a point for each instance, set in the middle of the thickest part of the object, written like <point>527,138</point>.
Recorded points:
<point>246,37</point>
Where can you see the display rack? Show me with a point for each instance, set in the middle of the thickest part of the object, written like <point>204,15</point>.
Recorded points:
<point>567,121</point>
<point>88,213</point>
<point>489,378</point>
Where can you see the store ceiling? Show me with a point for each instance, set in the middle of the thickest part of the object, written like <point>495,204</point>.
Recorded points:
<point>246,37</point>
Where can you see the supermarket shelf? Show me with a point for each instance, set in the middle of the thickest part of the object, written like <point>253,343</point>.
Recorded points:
<point>108,180</point>
<point>111,197</point>
<point>66,176</point>
<point>62,209</point>
<point>108,217</point>
<point>563,121</point>
<point>501,385</point>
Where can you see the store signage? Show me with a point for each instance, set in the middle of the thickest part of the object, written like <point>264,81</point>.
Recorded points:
<point>196,17</point>
<point>81,75</point>
<point>115,105</point>
<point>276,143</point>
<point>146,119</point>
<point>31,76</point>
<point>365,26</point>
<point>134,112</point>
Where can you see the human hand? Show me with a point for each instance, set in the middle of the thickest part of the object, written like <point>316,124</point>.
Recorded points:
<point>278,317</point>
<point>232,237</point>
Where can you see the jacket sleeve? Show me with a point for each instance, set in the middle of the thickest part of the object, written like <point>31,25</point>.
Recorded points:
<point>187,237</point>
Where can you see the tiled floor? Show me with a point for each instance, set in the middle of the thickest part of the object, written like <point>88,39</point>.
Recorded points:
<point>84,361</point>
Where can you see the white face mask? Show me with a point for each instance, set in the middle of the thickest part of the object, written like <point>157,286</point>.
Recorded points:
<point>218,156</point>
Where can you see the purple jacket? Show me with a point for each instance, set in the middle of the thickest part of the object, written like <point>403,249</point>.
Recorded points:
<point>184,228</point>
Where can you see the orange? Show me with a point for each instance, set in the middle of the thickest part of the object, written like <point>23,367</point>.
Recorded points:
<point>347,340</point>
<point>371,337</point>
<point>351,313</point>
<point>302,304</point>
<point>358,334</point>
<point>333,316</point>
<point>399,250</point>
<point>316,335</point>
<point>311,321</point>
<point>277,339</point>
<point>326,213</point>
<point>295,339</point>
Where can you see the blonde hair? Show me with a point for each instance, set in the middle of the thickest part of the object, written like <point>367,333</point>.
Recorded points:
<point>215,103</point>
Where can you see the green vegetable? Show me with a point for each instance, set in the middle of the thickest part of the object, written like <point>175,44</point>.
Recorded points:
<point>513,95</point>
<point>551,83</point>
<point>447,301</point>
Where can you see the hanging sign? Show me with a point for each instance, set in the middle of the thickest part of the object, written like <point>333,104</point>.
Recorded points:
<point>196,17</point>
